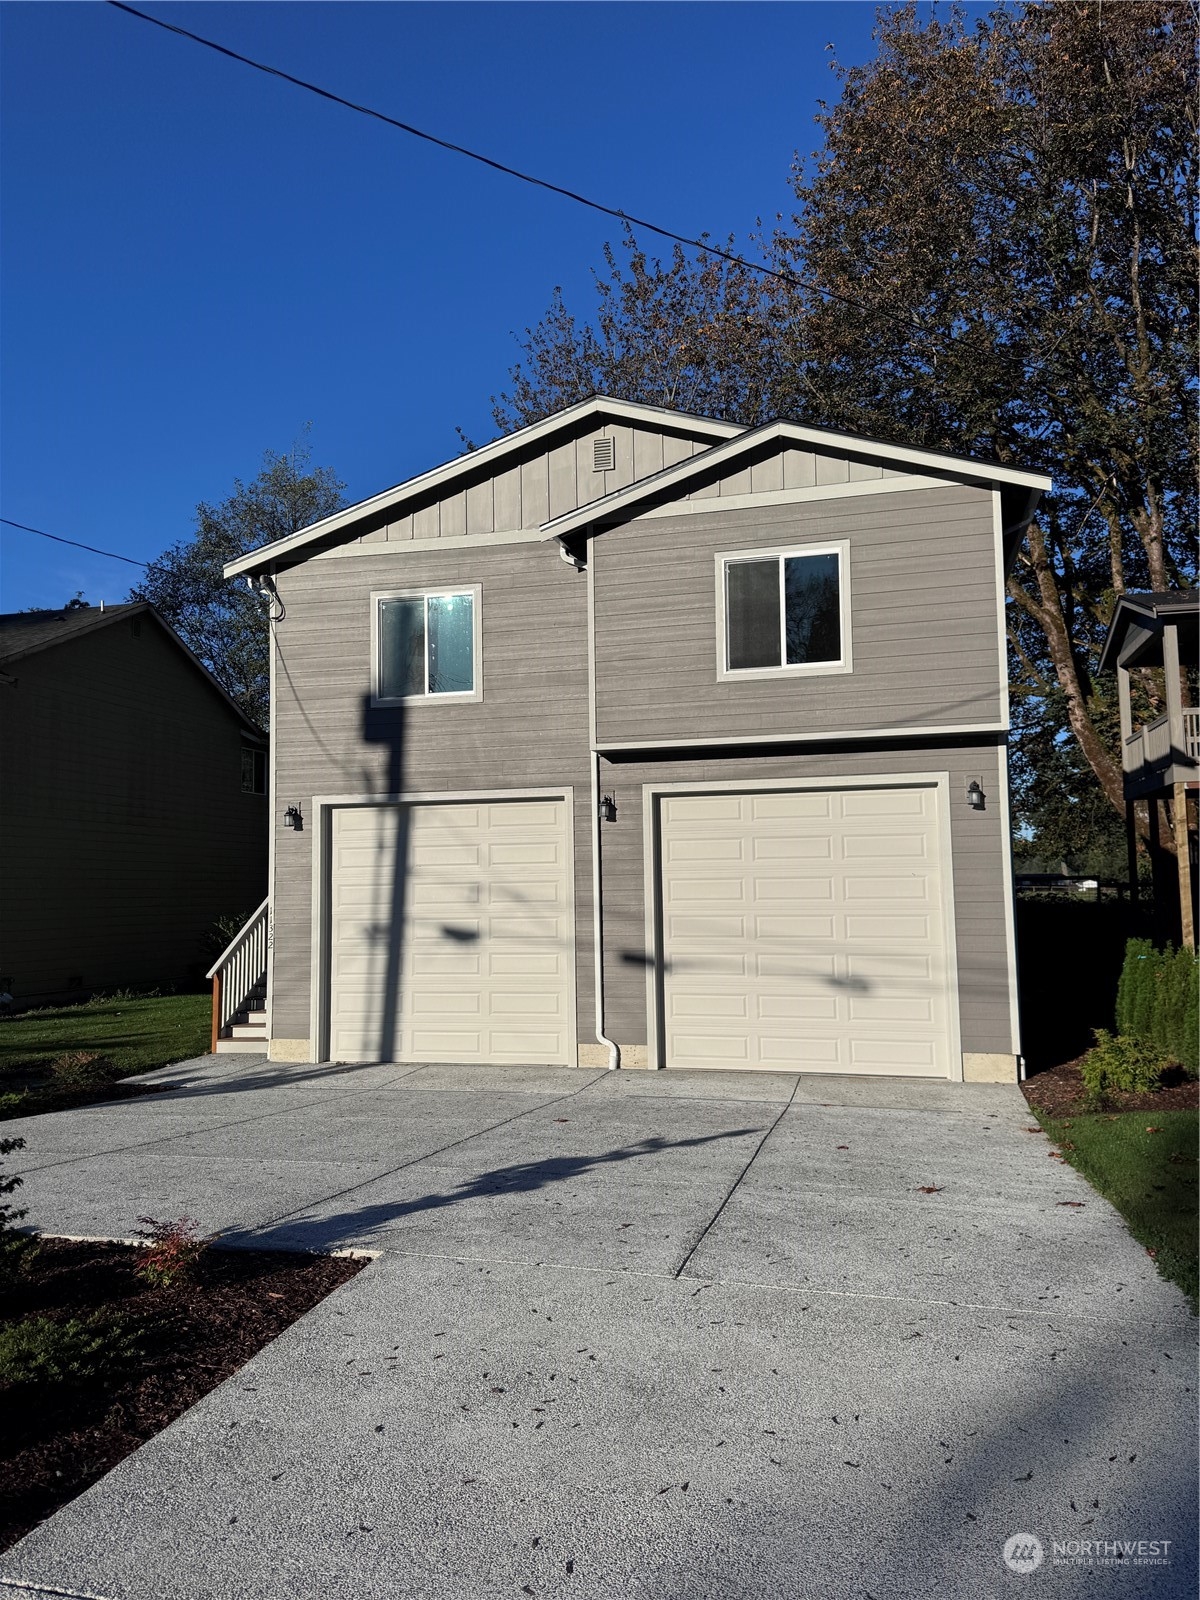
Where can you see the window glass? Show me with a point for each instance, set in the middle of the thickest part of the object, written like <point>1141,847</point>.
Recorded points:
<point>401,648</point>
<point>812,609</point>
<point>752,613</point>
<point>451,644</point>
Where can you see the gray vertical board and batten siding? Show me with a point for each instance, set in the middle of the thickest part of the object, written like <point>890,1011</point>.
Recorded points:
<point>528,731</point>
<point>126,830</point>
<point>526,492</point>
<point>978,847</point>
<point>923,620</point>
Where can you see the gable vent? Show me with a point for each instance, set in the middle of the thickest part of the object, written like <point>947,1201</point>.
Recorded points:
<point>604,455</point>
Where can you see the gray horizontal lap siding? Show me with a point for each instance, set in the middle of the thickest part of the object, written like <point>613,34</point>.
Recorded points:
<point>529,731</point>
<point>923,620</point>
<point>978,845</point>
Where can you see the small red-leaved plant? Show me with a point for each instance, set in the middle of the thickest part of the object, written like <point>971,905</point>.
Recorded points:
<point>171,1250</point>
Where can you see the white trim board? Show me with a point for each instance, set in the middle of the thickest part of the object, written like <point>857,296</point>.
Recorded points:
<point>323,807</point>
<point>453,541</point>
<point>832,736</point>
<point>652,880</point>
<point>792,497</point>
<point>1010,910</point>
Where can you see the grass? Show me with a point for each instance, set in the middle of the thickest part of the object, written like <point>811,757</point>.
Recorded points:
<point>1145,1163</point>
<point>129,1033</point>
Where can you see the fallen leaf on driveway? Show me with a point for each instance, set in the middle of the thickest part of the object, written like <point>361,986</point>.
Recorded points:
<point>1032,1127</point>
<point>929,1188</point>
<point>846,1146</point>
<point>1072,1202</point>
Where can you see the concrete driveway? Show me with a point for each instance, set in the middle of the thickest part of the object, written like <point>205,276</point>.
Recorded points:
<point>689,1336</point>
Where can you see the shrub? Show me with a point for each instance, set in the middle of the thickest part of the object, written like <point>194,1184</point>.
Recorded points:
<point>14,1246</point>
<point>81,1069</point>
<point>39,1352</point>
<point>1158,1001</point>
<point>1118,1062</point>
<point>171,1250</point>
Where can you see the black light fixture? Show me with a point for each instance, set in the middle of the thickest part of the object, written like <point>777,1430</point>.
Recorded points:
<point>608,809</point>
<point>292,818</point>
<point>975,795</point>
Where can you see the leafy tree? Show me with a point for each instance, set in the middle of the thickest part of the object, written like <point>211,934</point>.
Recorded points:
<point>993,253</point>
<point>223,622</point>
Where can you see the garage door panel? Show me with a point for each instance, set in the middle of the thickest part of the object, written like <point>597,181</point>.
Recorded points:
<point>707,850</point>
<point>793,928</point>
<point>885,803</point>
<point>482,954</point>
<point>710,1006</point>
<point>789,808</point>
<point>840,955</point>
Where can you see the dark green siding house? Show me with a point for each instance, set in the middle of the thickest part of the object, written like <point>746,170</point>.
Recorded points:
<point>133,810</point>
<point>640,737</point>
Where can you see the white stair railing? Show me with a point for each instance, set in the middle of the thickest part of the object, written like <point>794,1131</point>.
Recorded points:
<point>1191,732</point>
<point>237,970</point>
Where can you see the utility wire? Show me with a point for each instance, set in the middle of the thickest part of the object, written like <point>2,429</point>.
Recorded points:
<point>58,539</point>
<point>909,323</point>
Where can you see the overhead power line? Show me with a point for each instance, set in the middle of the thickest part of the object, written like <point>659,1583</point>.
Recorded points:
<point>908,323</point>
<point>58,539</point>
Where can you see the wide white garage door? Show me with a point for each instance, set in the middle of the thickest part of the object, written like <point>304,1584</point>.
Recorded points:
<point>805,929</point>
<point>450,933</point>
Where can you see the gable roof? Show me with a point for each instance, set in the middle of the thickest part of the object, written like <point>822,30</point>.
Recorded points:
<point>598,407</point>
<point>1138,621</point>
<point>27,633</point>
<point>22,633</point>
<point>623,502</point>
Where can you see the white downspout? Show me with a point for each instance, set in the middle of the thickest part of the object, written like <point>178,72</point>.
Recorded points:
<point>614,1053</point>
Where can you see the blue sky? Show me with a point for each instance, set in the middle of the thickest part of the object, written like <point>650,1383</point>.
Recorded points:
<point>199,260</point>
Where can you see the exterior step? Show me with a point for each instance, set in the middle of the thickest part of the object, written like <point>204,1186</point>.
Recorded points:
<point>256,1046</point>
<point>249,1030</point>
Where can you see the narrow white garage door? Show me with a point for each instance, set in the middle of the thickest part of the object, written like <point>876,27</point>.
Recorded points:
<point>450,933</point>
<point>805,929</point>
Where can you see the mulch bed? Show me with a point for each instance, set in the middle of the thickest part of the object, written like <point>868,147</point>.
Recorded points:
<point>36,1101</point>
<point>1059,1092</point>
<point>191,1337</point>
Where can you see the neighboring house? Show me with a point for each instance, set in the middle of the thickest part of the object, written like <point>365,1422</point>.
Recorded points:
<point>639,727</point>
<point>133,810</point>
<point>1158,634</point>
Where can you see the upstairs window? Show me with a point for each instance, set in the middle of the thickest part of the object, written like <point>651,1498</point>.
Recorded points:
<point>784,611</point>
<point>254,770</point>
<point>427,646</point>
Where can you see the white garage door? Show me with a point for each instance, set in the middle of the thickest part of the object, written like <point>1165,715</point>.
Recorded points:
<point>805,929</point>
<point>451,934</point>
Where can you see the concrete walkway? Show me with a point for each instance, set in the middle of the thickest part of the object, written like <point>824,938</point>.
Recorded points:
<point>689,1336</point>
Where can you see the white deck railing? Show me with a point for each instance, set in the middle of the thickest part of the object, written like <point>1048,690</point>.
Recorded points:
<point>1191,732</point>
<point>237,970</point>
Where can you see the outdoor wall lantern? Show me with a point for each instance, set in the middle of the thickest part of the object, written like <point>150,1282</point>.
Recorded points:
<point>608,809</point>
<point>975,795</point>
<point>292,818</point>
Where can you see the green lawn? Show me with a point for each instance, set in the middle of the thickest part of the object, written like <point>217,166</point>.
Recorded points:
<point>131,1034</point>
<point>1149,1177</point>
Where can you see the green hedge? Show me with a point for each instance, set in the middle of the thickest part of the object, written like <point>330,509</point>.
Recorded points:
<point>1158,1001</point>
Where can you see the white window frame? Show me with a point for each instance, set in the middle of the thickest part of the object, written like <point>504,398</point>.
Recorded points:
<point>811,669</point>
<point>441,592</point>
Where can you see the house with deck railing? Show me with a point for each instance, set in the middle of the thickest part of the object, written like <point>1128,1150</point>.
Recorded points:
<point>1154,636</point>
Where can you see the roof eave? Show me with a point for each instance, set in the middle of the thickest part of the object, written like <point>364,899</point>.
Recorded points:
<point>624,501</point>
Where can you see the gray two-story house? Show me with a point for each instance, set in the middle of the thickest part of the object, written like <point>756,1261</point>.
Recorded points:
<point>639,738</point>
